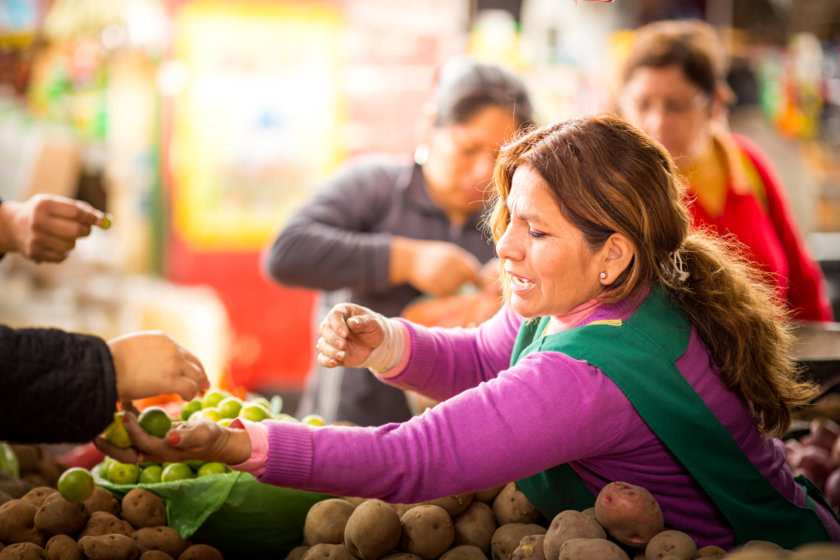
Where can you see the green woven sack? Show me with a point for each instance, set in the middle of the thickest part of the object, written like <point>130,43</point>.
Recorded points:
<point>232,512</point>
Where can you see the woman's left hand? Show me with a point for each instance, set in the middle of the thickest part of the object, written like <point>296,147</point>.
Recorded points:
<point>185,441</point>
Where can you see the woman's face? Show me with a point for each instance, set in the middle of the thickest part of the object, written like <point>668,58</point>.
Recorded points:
<point>461,157</point>
<point>549,267</point>
<point>669,108</point>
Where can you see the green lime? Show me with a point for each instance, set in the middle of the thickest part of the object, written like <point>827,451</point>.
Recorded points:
<point>229,407</point>
<point>194,464</point>
<point>176,471</point>
<point>262,401</point>
<point>123,473</point>
<point>254,412</point>
<point>313,420</point>
<point>190,407</point>
<point>116,434</point>
<point>76,484</point>
<point>155,421</point>
<point>150,474</point>
<point>212,467</point>
<point>276,405</point>
<point>212,398</point>
<point>211,414</point>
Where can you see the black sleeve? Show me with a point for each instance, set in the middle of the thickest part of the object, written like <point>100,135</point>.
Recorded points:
<point>55,386</point>
<point>332,242</point>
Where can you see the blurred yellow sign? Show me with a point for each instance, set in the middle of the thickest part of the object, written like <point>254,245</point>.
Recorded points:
<point>256,119</point>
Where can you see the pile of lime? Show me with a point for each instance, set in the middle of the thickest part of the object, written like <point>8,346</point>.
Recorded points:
<point>215,405</point>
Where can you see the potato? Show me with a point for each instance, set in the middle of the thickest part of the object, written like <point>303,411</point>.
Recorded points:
<point>475,526</point>
<point>488,495</point>
<point>63,547</point>
<point>57,516</point>
<point>710,551</point>
<point>201,552</point>
<point>403,556</point>
<point>464,552</point>
<point>531,547</point>
<point>17,523</point>
<point>4,497</point>
<point>103,523</point>
<point>295,554</point>
<point>109,547</point>
<point>587,549</point>
<point>161,537</point>
<point>23,551</point>
<point>454,505</point>
<point>326,551</point>
<point>373,530</point>
<point>670,543</point>
<point>15,487</point>
<point>507,537</point>
<point>38,494</point>
<point>142,508</point>
<point>325,521</point>
<point>816,551</point>
<point>102,500</point>
<point>629,513</point>
<point>570,524</point>
<point>512,506</point>
<point>756,554</point>
<point>155,555</point>
<point>427,531</point>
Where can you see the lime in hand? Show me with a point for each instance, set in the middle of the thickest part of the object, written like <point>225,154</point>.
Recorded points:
<point>116,434</point>
<point>155,421</point>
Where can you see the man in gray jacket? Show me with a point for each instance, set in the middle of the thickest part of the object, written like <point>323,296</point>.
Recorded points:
<point>381,233</point>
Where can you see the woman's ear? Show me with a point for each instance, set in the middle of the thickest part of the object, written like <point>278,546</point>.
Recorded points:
<point>617,254</point>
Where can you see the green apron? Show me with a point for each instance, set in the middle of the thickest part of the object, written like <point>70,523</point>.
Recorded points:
<point>638,355</point>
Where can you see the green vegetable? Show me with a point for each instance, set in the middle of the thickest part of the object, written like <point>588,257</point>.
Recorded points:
<point>9,460</point>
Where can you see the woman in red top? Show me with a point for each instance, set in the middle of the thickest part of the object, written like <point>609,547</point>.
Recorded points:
<point>674,88</point>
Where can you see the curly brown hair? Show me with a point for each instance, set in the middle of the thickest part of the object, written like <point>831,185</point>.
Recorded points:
<point>609,177</point>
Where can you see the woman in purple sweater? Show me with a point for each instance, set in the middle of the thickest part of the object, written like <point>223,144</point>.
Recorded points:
<point>629,349</point>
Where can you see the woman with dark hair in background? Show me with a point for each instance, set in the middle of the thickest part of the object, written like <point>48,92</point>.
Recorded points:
<point>388,232</point>
<point>674,88</point>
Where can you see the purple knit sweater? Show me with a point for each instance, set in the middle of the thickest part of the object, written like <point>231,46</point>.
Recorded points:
<point>501,423</point>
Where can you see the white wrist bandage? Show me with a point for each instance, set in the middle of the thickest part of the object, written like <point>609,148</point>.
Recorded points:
<point>389,353</point>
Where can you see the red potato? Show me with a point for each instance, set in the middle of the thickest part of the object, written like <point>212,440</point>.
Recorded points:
<point>832,489</point>
<point>823,433</point>
<point>629,513</point>
<point>814,462</point>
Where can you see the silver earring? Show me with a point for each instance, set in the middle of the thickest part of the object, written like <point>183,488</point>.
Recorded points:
<point>603,275</point>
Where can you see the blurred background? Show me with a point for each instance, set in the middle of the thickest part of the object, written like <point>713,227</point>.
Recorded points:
<point>201,124</point>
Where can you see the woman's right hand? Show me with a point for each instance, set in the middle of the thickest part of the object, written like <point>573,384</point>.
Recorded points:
<point>348,335</point>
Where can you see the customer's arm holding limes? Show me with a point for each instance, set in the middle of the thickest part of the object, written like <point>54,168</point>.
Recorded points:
<point>59,386</point>
<point>44,228</point>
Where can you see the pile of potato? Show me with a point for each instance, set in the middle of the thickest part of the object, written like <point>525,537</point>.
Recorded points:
<point>41,524</point>
<point>501,524</point>
<point>816,454</point>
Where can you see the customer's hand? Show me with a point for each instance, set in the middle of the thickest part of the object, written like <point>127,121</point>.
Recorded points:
<point>149,363</point>
<point>45,228</point>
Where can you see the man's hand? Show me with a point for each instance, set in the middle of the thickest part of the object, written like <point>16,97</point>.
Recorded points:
<point>433,267</point>
<point>45,228</point>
